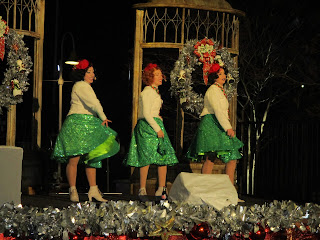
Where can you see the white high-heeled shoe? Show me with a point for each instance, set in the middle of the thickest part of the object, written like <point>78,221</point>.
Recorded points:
<point>95,193</point>
<point>73,193</point>
<point>142,192</point>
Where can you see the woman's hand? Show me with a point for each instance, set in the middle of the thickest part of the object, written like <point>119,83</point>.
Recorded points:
<point>230,133</point>
<point>105,122</point>
<point>160,134</point>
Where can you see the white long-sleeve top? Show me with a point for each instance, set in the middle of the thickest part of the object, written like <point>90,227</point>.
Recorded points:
<point>150,103</point>
<point>216,103</point>
<point>85,101</point>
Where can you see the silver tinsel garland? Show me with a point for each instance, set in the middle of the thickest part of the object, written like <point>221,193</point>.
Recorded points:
<point>123,217</point>
<point>181,76</point>
<point>19,67</point>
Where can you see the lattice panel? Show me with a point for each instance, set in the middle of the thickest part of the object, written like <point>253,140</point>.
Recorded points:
<point>19,14</point>
<point>162,25</point>
<point>170,24</point>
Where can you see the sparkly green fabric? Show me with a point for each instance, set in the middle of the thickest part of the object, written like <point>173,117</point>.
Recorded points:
<point>83,135</point>
<point>146,148</point>
<point>211,138</point>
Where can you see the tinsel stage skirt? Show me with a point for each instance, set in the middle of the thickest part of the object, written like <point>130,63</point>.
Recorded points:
<point>211,138</point>
<point>146,148</point>
<point>83,135</point>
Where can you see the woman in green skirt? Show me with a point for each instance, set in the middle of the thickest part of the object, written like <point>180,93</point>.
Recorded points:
<point>85,136</point>
<point>150,143</point>
<point>215,137</point>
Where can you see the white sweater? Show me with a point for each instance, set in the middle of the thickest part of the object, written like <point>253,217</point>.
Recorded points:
<point>216,103</point>
<point>85,101</point>
<point>150,103</point>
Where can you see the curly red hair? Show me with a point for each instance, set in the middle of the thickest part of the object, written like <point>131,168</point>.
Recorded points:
<point>148,74</point>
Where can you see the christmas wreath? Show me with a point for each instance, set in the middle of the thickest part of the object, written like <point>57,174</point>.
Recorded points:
<point>19,63</point>
<point>207,54</point>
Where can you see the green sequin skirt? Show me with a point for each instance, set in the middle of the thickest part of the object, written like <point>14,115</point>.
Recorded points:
<point>211,138</point>
<point>146,148</point>
<point>83,135</point>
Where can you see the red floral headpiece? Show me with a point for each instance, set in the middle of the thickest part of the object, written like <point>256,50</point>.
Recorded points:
<point>83,64</point>
<point>214,68</point>
<point>150,66</point>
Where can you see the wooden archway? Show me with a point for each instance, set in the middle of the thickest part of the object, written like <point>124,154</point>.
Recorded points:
<point>189,18</point>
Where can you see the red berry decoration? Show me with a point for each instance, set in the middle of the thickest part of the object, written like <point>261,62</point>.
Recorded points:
<point>200,231</point>
<point>259,235</point>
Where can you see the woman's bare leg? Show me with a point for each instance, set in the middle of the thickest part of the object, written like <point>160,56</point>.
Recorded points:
<point>143,176</point>
<point>162,175</point>
<point>91,176</point>
<point>230,169</point>
<point>71,170</point>
<point>207,166</point>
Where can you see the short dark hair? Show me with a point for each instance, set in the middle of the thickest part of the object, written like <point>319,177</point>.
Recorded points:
<point>213,76</point>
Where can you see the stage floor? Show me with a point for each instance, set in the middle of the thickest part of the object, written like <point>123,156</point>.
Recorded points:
<point>62,200</point>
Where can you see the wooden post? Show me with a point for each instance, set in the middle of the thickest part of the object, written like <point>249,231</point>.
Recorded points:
<point>137,69</point>
<point>38,75</point>
<point>11,126</point>
<point>137,66</point>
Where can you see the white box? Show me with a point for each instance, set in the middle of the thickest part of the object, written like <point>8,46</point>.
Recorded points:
<point>213,189</point>
<point>10,174</point>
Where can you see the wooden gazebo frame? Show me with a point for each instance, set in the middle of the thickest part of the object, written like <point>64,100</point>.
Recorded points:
<point>27,18</point>
<point>169,24</point>
<point>217,19</point>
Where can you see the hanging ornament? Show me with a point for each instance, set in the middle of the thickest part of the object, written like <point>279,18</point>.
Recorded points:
<point>16,90</point>
<point>200,231</point>
<point>20,65</point>
<point>182,76</point>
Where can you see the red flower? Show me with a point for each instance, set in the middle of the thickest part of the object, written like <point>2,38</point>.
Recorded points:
<point>214,68</point>
<point>83,64</point>
<point>150,66</point>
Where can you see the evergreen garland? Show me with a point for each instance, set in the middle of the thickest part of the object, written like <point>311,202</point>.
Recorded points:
<point>19,63</point>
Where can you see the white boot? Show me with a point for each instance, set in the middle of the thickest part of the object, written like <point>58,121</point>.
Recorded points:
<point>74,197</point>
<point>95,193</point>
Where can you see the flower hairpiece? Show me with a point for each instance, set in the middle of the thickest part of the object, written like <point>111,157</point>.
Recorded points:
<point>214,68</point>
<point>150,66</point>
<point>83,64</point>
